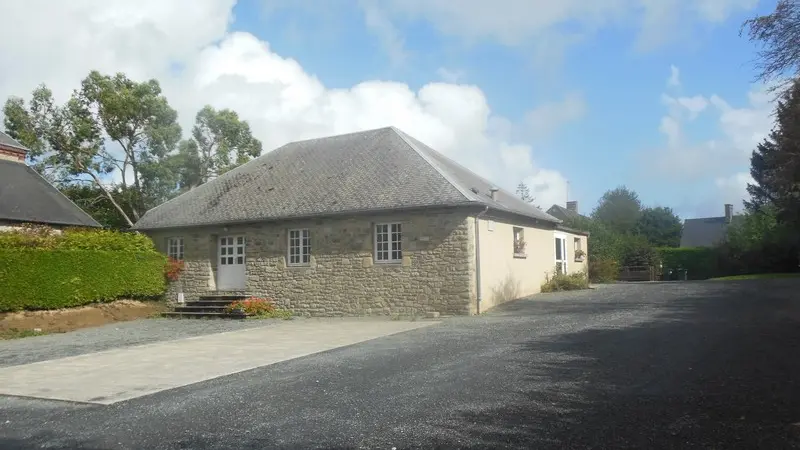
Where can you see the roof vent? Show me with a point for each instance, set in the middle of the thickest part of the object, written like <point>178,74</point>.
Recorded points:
<point>493,192</point>
<point>474,190</point>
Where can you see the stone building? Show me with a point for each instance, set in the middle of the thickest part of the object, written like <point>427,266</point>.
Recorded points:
<point>374,222</point>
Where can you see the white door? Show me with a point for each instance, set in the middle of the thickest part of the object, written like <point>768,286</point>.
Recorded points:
<point>561,253</point>
<point>231,273</point>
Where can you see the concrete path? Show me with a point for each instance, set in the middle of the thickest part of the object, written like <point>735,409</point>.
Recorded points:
<point>115,375</point>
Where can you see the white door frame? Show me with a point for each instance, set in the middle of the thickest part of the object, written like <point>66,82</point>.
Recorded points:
<point>564,259</point>
<point>231,262</point>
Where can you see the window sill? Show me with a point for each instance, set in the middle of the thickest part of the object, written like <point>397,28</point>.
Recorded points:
<point>520,255</point>
<point>580,259</point>
<point>388,263</point>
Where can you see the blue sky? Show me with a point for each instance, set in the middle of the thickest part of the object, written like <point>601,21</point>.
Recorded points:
<point>620,85</point>
<point>572,97</point>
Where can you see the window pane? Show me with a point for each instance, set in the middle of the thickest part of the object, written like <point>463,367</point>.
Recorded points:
<point>222,261</point>
<point>240,260</point>
<point>230,260</point>
<point>239,250</point>
<point>559,254</point>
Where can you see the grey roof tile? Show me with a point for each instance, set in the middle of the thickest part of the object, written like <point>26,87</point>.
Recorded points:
<point>705,232</point>
<point>27,197</point>
<point>380,169</point>
<point>11,142</point>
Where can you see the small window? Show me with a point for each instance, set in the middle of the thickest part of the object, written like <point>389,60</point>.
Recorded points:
<point>175,248</point>
<point>577,243</point>
<point>561,255</point>
<point>299,247</point>
<point>388,242</point>
<point>519,241</point>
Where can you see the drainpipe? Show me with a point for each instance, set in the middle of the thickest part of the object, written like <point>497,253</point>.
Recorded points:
<point>478,257</point>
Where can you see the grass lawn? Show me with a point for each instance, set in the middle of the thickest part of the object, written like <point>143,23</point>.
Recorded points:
<point>760,276</point>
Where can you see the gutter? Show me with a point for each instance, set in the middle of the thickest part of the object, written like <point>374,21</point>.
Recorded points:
<point>478,258</point>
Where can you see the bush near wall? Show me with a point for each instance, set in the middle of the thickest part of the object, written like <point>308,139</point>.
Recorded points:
<point>700,263</point>
<point>50,279</point>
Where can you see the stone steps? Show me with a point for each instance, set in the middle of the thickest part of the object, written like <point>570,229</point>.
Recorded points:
<point>209,306</point>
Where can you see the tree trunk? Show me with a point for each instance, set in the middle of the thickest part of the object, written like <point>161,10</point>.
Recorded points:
<point>111,198</point>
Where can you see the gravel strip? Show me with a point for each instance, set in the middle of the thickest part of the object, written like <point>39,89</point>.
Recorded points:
<point>121,334</point>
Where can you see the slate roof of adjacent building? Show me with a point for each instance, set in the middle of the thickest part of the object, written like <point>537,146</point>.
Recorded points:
<point>562,213</point>
<point>27,197</point>
<point>705,232</point>
<point>375,170</point>
<point>8,141</point>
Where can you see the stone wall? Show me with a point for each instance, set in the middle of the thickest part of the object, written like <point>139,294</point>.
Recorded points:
<point>343,279</point>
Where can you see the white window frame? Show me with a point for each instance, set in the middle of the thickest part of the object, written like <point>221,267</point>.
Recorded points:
<point>392,237</point>
<point>564,259</point>
<point>304,250</point>
<point>175,243</point>
<point>518,234</point>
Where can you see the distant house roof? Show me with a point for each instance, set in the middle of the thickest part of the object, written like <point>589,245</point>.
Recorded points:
<point>27,197</point>
<point>705,232</point>
<point>563,213</point>
<point>375,170</point>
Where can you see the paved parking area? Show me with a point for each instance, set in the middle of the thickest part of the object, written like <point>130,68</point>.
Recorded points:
<point>112,376</point>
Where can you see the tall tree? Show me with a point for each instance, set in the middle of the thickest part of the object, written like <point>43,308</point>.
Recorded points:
<point>660,226</point>
<point>775,164</point>
<point>220,142</point>
<point>619,209</point>
<point>94,201</point>
<point>524,192</point>
<point>778,34</point>
<point>137,117</point>
<point>64,139</point>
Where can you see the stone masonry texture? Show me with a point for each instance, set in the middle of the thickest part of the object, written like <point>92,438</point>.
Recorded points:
<point>342,278</point>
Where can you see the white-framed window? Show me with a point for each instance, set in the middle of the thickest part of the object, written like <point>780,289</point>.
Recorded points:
<point>388,245</point>
<point>561,254</point>
<point>299,247</point>
<point>519,241</point>
<point>175,248</point>
<point>577,243</point>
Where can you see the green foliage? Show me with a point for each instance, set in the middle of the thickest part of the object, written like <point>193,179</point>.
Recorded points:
<point>603,270</point>
<point>759,243</point>
<point>701,263</point>
<point>563,282</point>
<point>95,202</point>
<point>619,209</point>
<point>660,226</point>
<point>35,278</point>
<point>637,251</point>
<point>220,142</point>
<point>37,237</point>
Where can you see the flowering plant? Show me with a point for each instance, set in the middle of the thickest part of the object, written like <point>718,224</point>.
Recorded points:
<point>253,306</point>
<point>519,247</point>
<point>173,269</point>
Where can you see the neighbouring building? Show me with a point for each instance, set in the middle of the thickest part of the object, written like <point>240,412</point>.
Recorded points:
<point>26,197</point>
<point>707,231</point>
<point>374,222</point>
<point>565,214</point>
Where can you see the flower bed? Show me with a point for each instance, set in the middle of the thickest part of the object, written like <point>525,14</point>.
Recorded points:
<point>258,308</point>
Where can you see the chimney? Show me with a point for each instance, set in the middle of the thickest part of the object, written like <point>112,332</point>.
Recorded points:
<point>572,206</point>
<point>493,192</point>
<point>728,213</point>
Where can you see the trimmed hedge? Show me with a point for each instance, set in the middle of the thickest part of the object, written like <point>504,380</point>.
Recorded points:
<point>36,278</point>
<point>700,263</point>
<point>36,236</point>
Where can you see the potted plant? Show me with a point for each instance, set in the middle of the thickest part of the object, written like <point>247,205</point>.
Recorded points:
<point>580,255</point>
<point>519,247</point>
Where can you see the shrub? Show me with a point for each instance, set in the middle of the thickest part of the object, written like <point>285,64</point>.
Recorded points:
<point>41,237</point>
<point>701,263</point>
<point>565,282</point>
<point>256,307</point>
<point>35,278</point>
<point>603,270</point>
<point>173,269</point>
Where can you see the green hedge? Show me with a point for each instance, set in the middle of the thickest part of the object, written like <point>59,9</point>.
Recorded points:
<point>700,263</point>
<point>33,236</point>
<point>49,279</point>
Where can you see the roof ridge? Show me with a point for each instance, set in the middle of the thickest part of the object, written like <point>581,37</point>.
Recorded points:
<point>469,195</point>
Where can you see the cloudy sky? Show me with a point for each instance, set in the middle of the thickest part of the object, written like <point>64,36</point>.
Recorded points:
<point>574,97</point>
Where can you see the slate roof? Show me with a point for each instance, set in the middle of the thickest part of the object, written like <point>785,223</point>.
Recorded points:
<point>6,140</point>
<point>705,232</point>
<point>374,170</point>
<point>27,197</point>
<point>562,213</point>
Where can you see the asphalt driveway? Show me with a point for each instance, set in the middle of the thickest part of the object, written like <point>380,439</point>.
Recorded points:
<point>681,365</point>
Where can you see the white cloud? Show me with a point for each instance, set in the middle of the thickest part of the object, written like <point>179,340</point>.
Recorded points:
<point>393,42</point>
<point>450,76</point>
<point>513,22</point>
<point>674,77</point>
<point>275,94</point>
<point>723,159</point>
